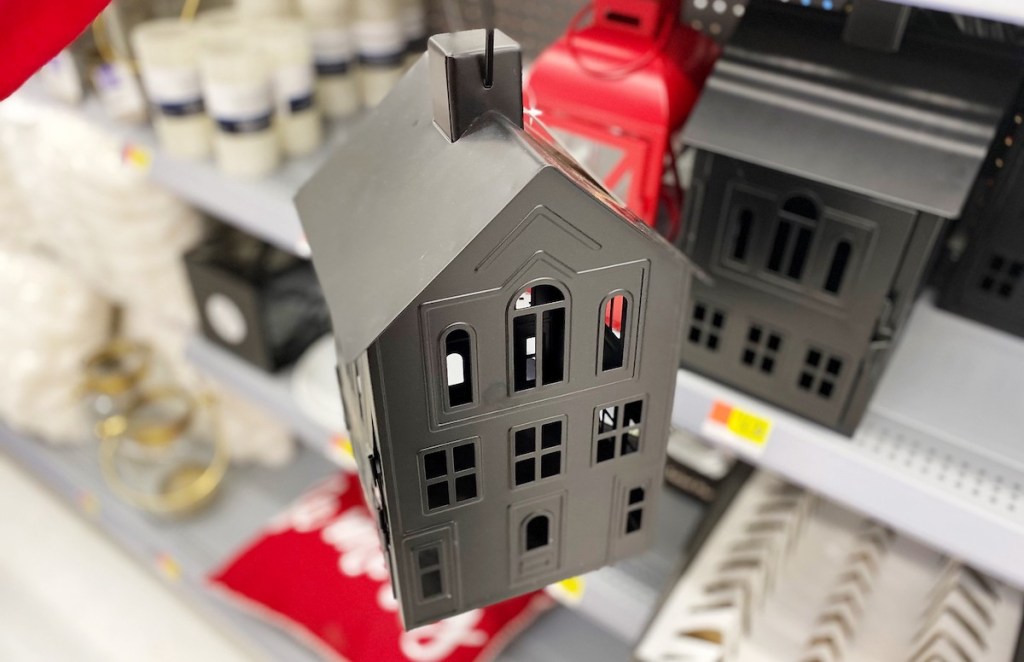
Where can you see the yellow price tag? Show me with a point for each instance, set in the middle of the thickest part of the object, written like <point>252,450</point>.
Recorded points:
<point>568,591</point>
<point>743,424</point>
<point>137,157</point>
<point>168,568</point>
<point>343,446</point>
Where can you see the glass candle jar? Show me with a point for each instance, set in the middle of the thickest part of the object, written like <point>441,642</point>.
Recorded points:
<point>286,44</point>
<point>165,454</point>
<point>239,99</point>
<point>380,39</point>
<point>168,59</point>
<point>334,53</point>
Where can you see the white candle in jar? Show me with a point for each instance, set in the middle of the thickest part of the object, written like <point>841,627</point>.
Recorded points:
<point>167,53</point>
<point>334,53</point>
<point>286,44</point>
<point>239,98</point>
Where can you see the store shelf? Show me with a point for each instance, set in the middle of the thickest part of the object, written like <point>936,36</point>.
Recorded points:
<point>181,552</point>
<point>184,551</point>
<point>262,207</point>
<point>271,393</point>
<point>939,455</point>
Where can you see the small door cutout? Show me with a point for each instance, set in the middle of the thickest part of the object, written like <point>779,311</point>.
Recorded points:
<point>538,532</point>
<point>534,531</point>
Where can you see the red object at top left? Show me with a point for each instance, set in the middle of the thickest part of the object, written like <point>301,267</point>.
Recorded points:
<point>32,33</point>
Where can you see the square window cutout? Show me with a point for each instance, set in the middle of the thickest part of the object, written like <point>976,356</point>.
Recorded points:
<point>526,441</point>
<point>463,457</point>
<point>633,413</point>
<point>551,434</point>
<point>430,583</point>
<point>606,419</point>
<point>634,520</point>
<point>636,495</point>
<point>435,464</point>
<point>524,471</point>
<point>437,495</point>
<point>630,442</point>
<point>551,464</point>
<point>465,487</point>
<point>428,558</point>
<point>605,449</point>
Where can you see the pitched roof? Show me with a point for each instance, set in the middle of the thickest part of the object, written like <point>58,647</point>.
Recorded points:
<point>912,127</point>
<point>398,202</point>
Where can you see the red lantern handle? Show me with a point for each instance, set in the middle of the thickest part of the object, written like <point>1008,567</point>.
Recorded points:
<point>666,19</point>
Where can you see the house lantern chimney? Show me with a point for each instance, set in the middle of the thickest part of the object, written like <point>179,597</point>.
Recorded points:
<point>458,90</point>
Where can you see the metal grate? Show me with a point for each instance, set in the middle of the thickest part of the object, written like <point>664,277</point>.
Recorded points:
<point>945,466</point>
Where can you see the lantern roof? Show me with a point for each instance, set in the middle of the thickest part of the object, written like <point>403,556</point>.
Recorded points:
<point>911,127</point>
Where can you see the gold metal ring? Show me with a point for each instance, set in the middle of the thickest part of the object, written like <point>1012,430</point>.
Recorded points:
<point>182,492</point>
<point>119,351</point>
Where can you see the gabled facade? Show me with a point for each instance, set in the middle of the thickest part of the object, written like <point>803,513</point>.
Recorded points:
<point>507,336</point>
<point>824,175</point>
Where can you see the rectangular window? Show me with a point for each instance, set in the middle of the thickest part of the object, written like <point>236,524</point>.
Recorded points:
<point>553,359</point>
<point>537,451</point>
<point>429,570</point>
<point>524,344</point>
<point>618,430</point>
<point>449,475</point>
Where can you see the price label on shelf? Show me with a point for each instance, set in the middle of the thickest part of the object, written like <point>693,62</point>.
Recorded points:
<point>340,450</point>
<point>136,157</point>
<point>737,427</point>
<point>568,591</point>
<point>168,567</point>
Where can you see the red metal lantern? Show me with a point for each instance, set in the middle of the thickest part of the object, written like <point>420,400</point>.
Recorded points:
<point>614,92</point>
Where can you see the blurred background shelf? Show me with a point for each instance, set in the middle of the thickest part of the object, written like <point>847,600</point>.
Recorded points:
<point>615,604</point>
<point>939,456</point>
<point>182,551</point>
<point>273,394</point>
<point>261,207</point>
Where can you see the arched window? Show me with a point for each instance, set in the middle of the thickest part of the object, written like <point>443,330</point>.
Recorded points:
<point>538,532</point>
<point>615,331</point>
<point>458,363</point>
<point>538,319</point>
<point>794,233</point>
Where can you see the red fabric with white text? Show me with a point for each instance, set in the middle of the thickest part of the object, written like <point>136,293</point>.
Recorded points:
<point>32,32</point>
<point>318,571</point>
